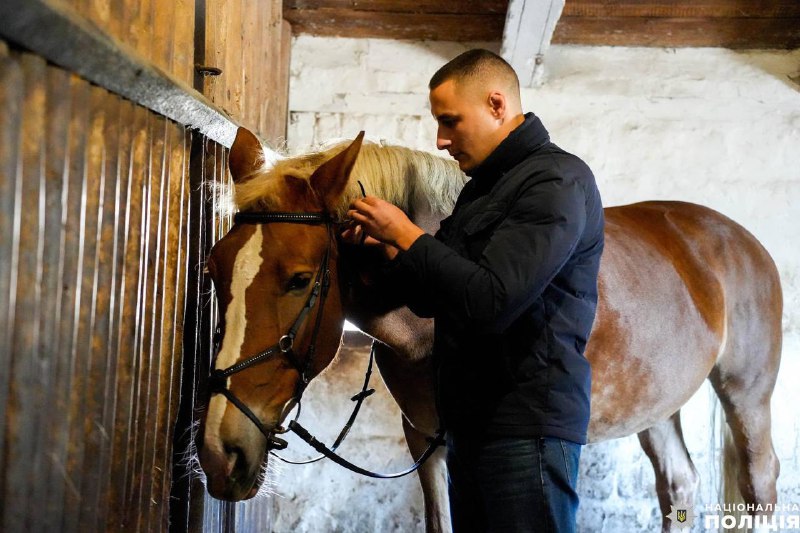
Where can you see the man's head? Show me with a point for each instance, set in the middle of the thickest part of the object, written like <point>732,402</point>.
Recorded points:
<point>475,100</point>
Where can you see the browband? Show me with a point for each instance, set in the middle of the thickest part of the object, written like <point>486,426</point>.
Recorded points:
<point>255,217</point>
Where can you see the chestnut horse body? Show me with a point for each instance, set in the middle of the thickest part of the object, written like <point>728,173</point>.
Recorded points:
<point>685,294</point>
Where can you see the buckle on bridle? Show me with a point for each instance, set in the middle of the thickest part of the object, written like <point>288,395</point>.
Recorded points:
<point>276,443</point>
<point>290,404</point>
<point>285,343</point>
<point>217,381</point>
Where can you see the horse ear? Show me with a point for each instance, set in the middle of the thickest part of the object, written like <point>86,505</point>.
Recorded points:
<point>246,156</point>
<point>330,179</point>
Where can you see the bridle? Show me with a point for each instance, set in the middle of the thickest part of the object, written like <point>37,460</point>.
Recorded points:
<point>285,347</point>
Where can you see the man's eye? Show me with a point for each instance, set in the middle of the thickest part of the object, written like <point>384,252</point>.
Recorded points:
<point>299,281</point>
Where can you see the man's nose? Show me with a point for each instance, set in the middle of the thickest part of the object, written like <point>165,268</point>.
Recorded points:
<point>442,142</point>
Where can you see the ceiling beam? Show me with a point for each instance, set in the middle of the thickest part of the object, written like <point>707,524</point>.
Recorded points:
<point>528,31</point>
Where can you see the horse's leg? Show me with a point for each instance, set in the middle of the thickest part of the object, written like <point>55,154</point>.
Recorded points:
<point>433,478</point>
<point>411,385</point>
<point>747,411</point>
<point>676,476</point>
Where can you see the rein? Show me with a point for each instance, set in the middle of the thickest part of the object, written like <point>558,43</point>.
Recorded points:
<point>285,346</point>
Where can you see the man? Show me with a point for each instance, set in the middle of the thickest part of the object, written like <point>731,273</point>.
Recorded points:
<point>511,279</point>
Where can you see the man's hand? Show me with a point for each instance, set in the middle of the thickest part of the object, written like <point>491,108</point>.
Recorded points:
<point>382,222</point>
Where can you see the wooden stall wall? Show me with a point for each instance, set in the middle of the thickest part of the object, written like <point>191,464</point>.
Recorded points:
<point>95,197</point>
<point>106,215</point>
<point>161,33</point>
<point>249,41</point>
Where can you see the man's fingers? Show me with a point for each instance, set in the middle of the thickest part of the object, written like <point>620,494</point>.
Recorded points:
<point>352,234</point>
<point>370,241</point>
<point>370,200</point>
<point>361,204</point>
<point>357,216</point>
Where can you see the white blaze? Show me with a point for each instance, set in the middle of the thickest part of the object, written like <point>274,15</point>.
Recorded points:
<point>245,267</point>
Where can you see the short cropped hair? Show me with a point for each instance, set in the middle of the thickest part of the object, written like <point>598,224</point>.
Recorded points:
<point>476,64</point>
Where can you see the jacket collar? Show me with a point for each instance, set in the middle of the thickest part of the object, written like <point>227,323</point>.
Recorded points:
<point>523,140</point>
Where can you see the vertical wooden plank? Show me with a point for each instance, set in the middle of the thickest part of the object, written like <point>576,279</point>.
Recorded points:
<point>183,52</point>
<point>84,312</point>
<point>140,264</point>
<point>282,111</point>
<point>262,73</point>
<point>234,53</point>
<point>100,12</point>
<point>95,302</point>
<point>140,486</point>
<point>63,489</point>
<point>272,87</point>
<point>114,216</point>
<point>162,32</point>
<point>182,278</point>
<point>122,20</point>
<point>152,303</point>
<point>164,294</point>
<point>141,26</point>
<point>171,316</point>
<point>49,463</point>
<point>251,45</point>
<point>217,23</point>
<point>134,152</point>
<point>188,493</point>
<point>218,515</point>
<point>25,393</point>
<point>12,91</point>
<point>121,339</point>
<point>111,217</point>
<point>97,432</point>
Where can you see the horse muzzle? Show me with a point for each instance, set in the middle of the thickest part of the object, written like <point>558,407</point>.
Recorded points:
<point>230,474</point>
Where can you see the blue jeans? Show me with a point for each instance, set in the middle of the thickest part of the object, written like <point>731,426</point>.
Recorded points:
<point>512,484</point>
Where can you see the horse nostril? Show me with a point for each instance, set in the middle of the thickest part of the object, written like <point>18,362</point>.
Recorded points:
<point>236,460</point>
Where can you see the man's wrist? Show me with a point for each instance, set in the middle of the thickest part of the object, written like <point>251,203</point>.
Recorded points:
<point>408,237</point>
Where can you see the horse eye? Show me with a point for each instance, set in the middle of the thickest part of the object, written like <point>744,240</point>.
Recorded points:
<point>299,281</point>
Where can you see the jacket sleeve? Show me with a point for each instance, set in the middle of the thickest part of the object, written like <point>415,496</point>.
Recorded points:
<point>524,253</point>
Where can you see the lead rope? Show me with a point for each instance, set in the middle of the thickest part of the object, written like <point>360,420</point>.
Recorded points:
<point>359,399</point>
<point>301,432</point>
<point>330,453</point>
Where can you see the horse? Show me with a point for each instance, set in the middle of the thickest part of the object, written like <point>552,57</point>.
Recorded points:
<point>685,294</point>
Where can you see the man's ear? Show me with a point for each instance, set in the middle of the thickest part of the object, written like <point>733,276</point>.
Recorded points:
<point>497,101</point>
<point>246,156</point>
<point>330,179</point>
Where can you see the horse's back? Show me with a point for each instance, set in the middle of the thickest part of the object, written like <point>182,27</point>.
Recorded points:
<point>673,280</point>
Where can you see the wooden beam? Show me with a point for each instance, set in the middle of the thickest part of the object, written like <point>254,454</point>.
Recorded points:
<point>340,22</point>
<point>437,7</point>
<point>739,24</point>
<point>528,30</point>
<point>683,8</point>
<point>736,33</point>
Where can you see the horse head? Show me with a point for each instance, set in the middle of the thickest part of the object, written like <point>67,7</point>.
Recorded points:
<point>280,308</point>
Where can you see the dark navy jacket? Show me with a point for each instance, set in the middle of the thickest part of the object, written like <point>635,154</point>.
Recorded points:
<point>511,279</point>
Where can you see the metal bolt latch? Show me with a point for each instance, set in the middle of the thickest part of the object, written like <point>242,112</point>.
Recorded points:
<point>207,70</point>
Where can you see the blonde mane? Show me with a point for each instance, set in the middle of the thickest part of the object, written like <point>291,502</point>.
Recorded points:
<point>411,179</point>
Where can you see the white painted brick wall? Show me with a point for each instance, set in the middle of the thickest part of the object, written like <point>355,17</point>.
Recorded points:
<point>711,126</point>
